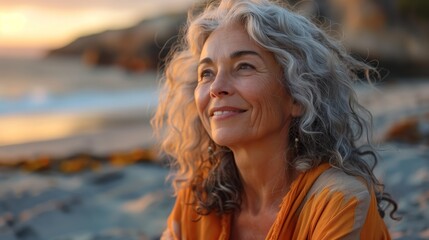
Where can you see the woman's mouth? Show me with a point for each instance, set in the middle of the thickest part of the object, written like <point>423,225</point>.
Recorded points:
<point>225,111</point>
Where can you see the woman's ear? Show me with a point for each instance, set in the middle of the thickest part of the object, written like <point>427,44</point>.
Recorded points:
<point>297,109</point>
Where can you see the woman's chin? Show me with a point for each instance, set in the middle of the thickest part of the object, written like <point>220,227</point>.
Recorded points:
<point>224,141</point>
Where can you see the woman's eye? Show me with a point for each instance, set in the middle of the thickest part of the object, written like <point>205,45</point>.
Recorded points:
<point>245,66</point>
<point>205,74</point>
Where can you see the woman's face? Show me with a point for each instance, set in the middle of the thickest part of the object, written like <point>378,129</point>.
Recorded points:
<point>239,97</point>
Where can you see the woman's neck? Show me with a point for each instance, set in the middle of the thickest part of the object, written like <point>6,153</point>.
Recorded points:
<point>266,178</point>
<point>265,174</point>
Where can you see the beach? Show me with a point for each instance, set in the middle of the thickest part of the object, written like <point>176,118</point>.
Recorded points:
<point>100,120</point>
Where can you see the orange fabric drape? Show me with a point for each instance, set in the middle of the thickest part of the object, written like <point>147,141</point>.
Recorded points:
<point>326,215</point>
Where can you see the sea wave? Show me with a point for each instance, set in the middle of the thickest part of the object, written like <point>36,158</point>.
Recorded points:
<point>55,98</point>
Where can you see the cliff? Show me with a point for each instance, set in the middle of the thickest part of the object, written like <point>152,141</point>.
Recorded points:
<point>137,48</point>
<point>391,32</point>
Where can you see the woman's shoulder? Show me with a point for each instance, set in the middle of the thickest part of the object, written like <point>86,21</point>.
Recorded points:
<point>185,197</point>
<point>341,205</point>
<point>184,222</point>
<point>334,180</point>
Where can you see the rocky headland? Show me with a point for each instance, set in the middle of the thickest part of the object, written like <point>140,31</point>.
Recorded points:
<point>390,34</point>
<point>136,49</point>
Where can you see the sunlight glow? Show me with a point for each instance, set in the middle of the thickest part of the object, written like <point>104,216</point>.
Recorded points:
<point>20,129</point>
<point>48,28</point>
<point>12,23</point>
<point>46,25</point>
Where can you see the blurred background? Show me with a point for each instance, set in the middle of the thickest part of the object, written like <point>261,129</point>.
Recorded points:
<point>78,86</point>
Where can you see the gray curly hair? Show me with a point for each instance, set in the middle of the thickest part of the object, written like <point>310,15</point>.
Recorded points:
<point>317,72</point>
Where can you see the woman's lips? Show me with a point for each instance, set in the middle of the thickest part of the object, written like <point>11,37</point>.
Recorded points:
<point>223,112</point>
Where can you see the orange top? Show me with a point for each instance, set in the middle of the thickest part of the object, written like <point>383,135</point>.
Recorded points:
<point>323,203</point>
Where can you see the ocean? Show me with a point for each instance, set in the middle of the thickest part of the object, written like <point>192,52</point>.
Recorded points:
<point>65,97</point>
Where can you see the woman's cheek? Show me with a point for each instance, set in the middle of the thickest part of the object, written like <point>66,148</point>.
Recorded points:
<point>202,98</point>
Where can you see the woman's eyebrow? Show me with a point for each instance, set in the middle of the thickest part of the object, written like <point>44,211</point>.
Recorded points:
<point>238,54</point>
<point>233,55</point>
<point>205,60</point>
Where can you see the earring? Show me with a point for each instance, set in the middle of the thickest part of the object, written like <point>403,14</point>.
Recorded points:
<point>296,144</point>
<point>210,150</point>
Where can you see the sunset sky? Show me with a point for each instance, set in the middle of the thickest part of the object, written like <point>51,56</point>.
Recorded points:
<point>27,27</point>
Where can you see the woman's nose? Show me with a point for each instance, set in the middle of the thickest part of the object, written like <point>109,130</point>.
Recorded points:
<point>220,87</point>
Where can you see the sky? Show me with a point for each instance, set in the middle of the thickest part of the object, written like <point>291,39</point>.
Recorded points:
<point>28,27</point>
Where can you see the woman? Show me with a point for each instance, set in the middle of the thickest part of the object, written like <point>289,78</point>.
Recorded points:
<point>259,115</point>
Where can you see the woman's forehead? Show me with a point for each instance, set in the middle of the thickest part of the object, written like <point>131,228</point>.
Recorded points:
<point>228,39</point>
